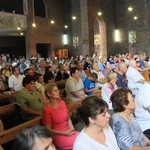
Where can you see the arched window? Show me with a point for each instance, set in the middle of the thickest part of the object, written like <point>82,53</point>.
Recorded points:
<point>39,8</point>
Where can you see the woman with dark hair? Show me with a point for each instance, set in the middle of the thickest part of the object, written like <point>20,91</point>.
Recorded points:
<point>97,134</point>
<point>29,99</point>
<point>34,138</point>
<point>128,133</point>
<point>56,118</point>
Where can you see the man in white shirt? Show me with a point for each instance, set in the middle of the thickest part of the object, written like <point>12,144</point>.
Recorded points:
<point>15,80</point>
<point>134,77</point>
<point>141,90</point>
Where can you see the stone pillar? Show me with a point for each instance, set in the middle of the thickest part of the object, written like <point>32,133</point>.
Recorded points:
<point>85,28</point>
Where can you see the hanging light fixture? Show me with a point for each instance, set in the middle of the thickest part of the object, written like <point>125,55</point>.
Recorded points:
<point>19,26</point>
<point>33,21</point>
<point>65,26</point>
<point>52,21</point>
<point>99,13</point>
<point>130,8</point>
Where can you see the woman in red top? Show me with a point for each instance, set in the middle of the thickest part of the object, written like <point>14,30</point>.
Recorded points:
<point>56,118</point>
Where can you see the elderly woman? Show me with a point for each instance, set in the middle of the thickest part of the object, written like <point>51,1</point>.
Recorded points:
<point>97,134</point>
<point>128,133</point>
<point>108,88</point>
<point>74,86</point>
<point>56,118</point>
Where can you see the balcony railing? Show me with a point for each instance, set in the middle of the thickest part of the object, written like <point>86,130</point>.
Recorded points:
<point>12,20</point>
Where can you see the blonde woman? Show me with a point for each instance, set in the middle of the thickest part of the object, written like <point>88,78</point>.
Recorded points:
<point>56,119</point>
<point>108,88</point>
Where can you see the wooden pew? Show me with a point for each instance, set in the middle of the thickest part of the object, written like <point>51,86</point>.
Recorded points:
<point>60,83</point>
<point>7,94</point>
<point>61,86</point>
<point>9,134</point>
<point>145,73</point>
<point>7,98</point>
<point>88,72</point>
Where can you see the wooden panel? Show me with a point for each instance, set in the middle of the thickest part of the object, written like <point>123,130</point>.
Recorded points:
<point>7,108</point>
<point>8,135</point>
<point>7,95</point>
<point>61,53</point>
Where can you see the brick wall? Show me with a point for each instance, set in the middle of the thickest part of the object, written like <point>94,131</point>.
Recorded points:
<point>141,26</point>
<point>45,32</point>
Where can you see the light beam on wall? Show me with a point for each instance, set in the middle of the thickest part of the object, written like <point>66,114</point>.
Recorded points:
<point>33,21</point>
<point>117,35</point>
<point>65,39</point>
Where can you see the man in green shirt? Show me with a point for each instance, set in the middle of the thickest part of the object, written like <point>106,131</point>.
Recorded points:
<point>29,99</point>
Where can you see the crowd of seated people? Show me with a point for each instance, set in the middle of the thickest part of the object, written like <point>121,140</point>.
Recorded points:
<point>83,76</point>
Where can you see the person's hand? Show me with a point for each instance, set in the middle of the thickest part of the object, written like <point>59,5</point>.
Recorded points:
<point>69,132</point>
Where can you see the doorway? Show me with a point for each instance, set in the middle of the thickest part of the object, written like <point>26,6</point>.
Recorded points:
<point>43,50</point>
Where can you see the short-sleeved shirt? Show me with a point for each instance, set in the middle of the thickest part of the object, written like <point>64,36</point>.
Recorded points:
<point>127,134</point>
<point>142,100</point>
<point>31,100</point>
<point>133,76</point>
<point>73,86</point>
<point>15,82</point>
<point>89,84</point>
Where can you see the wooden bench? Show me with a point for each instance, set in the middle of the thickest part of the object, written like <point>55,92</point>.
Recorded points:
<point>7,98</point>
<point>61,86</point>
<point>9,134</point>
<point>7,94</point>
